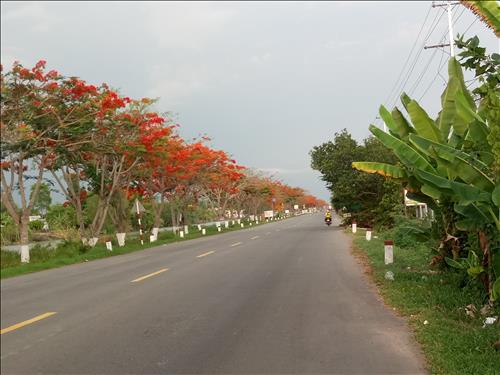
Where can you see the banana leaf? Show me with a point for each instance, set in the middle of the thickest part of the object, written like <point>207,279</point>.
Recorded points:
<point>448,113</point>
<point>404,128</point>
<point>466,194</point>
<point>405,99</point>
<point>423,198</point>
<point>408,156</point>
<point>469,169</point>
<point>423,124</point>
<point>383,169</point>
<point>389,121</point>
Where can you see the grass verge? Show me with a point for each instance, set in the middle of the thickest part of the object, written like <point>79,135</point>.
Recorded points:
<point>70,252</point>
<point>452,342</point>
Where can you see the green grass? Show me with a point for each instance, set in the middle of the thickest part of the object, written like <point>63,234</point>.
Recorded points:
<point>452,342</point>
<point>43,258</point>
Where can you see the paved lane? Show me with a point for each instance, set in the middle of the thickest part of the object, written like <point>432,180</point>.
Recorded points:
<point>280,298</point>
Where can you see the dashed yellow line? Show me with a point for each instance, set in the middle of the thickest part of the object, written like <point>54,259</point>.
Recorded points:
<point>254,238</point>
<point>150,275</point>
<point>205,254</point>
<point>236,244</point>
<point>26,322</point>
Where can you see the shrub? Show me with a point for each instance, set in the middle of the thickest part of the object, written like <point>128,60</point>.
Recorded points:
<point>36,225</point>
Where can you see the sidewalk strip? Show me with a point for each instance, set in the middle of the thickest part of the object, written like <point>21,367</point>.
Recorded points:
<point>236,244</point>
<point>151,274</point>
<point>26,322</point>
<point>205,254</point>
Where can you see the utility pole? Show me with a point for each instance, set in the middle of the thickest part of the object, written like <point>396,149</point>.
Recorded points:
<point>448,5</point>
<point>450,29</point>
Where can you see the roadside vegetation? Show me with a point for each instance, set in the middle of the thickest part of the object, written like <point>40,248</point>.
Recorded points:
<point>446,272</point>
<point>442,307</point>
<point>117,162</point>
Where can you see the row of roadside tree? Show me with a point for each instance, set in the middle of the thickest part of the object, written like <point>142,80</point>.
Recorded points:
<point>91,141</point>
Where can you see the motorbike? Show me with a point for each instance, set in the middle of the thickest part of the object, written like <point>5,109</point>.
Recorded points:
<point>328,221</point>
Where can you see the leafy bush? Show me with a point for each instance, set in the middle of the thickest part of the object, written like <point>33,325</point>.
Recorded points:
<point>36,225</point>
<point>59,217</point>
<point>8,232</point>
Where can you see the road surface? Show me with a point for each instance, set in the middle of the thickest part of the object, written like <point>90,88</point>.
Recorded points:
<point>285,297</point>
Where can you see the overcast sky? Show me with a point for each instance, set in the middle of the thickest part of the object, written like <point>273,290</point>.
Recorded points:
<point>266,81</point>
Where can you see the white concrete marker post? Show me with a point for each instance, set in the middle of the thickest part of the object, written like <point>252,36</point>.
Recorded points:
<point>25,254</point>
<point>181,233</point>
<point>218,229</point>
<point>368,234</point>
<point>120,237</point>
<point>109,245</point>
<point>154,232</point>
<point>242,225</point>
<point>203,231</point>
<point>152,238</point>
<point>226,224</point>
<point>354,227</point>
<point>388,252</point>
<point>186,229</point>
<point>199,227</point>
<point>239,221</point>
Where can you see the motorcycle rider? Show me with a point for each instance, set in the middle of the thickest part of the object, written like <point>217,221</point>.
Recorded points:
<point>328,216</point>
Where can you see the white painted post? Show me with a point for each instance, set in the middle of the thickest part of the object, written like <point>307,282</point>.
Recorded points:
<point>109,245</point>
<point>155,232</point>
<point>354,227</point>
<point>388,252</point>
<point>186,229</point>
<point>232,222</point>
<point>368,234</point>
<point>239,221</point>
<point>242,225</point>
<point>203,231</point>
<point>152,238</point>
<point>181,234</point>
<point>218,229</point>
<point>121,239</point>
<point>199,227</point>
<point>25,254</point>
<point>226,224</point>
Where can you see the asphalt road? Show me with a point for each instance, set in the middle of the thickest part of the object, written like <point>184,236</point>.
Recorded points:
<point>285,297</point>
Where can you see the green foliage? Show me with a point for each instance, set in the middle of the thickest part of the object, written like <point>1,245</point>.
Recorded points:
<point>61,218</point>
<point>359,193</point>
<point>43,199</point>
<point>452,342</point>
<point>8,232</point>
<point>36,225</point>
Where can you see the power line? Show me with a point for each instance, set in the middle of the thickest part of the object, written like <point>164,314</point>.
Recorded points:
<point>408,75</point>
<point>409,55</point>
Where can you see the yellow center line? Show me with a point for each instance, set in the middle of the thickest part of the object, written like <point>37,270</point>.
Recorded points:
<point>254,238</point>
<point>151,274</point>
<point>236,244</point>
<point>205,254</point>
<point>26,322</point>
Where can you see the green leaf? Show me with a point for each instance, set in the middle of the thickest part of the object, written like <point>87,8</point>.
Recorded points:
<point>455,71</point>
<point>465,193</point>
<point>495,196</point>
<point>389,121</point>
<point>423,124</point>
<point>453,263</point>
<point>448,113</point>
<point>403,126</point>
<point>468,168</point>
<point>383,169</point>
<point>404,152</point>
<point>475,271</point>
<point>431,191</point>
<point>496,290</point>
<point>405,99</point>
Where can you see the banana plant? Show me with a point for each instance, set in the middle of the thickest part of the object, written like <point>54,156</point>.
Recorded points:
<point>446,159</point>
